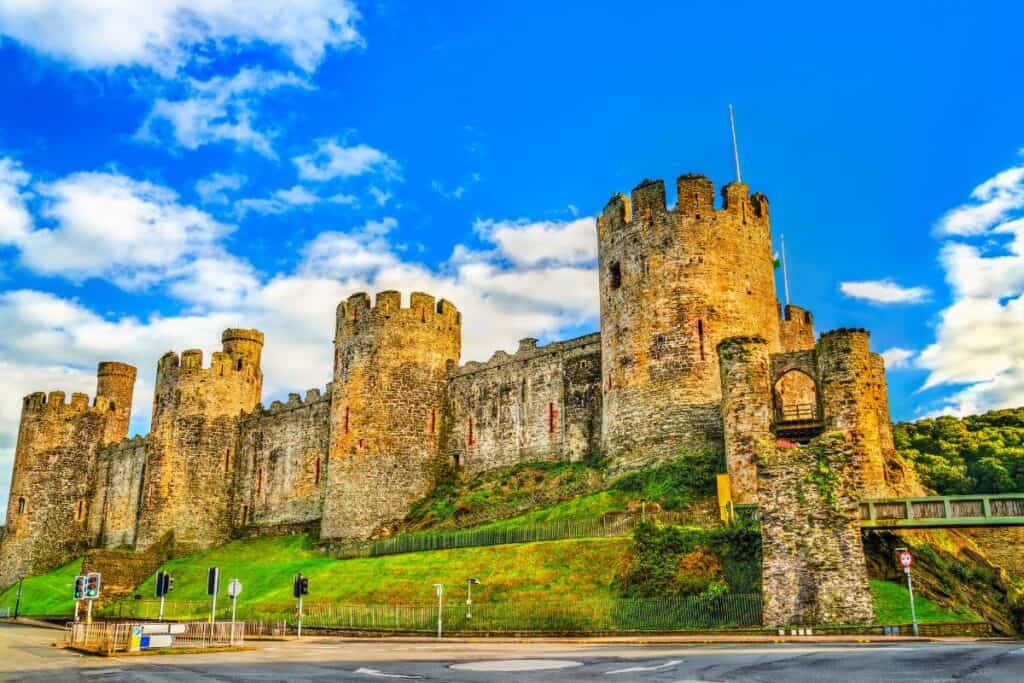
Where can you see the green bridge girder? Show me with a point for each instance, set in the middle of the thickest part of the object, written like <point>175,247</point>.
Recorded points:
<point>935,512</point>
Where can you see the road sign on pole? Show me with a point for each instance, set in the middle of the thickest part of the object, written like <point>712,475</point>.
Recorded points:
<point>212,588</point>
<point>906,560</point>
<point>300,587</point>
<point>234,589</point>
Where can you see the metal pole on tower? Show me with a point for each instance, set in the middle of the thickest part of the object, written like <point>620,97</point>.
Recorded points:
<point>735,147</point>
<point>785,274</point>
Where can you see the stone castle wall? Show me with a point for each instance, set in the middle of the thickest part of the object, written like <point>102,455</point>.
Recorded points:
<point>280,468</point>
<point>387,408</point>
<point>537,404</point>
<point>55,469</point>
<point>813,558</point>
<point>195,431</point>
<point>114,513</point>
<point>673,283</point>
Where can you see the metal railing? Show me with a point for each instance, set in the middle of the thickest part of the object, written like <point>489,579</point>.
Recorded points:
<point>944,511</point>
<point>797,412</point>
<point>110,637</point>
<point>608,525</point>
<point>573,616</point>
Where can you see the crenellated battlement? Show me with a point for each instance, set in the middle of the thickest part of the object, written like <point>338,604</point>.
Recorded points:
<point>528,350</point>
<point>356,315</point>
<point>124,446</point>
<point>239,358</point>
<point>295,401</point>
<point>695,201</point>
<point>114,385</point>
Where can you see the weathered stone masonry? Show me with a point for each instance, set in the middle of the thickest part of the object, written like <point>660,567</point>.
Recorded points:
<point>693,355</point>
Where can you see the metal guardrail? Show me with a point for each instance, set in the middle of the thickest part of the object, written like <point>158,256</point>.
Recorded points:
<point>943,511</point>
<point>797,412</point>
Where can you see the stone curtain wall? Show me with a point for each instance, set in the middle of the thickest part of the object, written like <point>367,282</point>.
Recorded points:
<point>538,404</point>
<point>55,472</point>
<point>281,467</point>
<point>114,511</point>
<point>746,410</point>
<point>796,331</point>
<point>673,283</point>
<point>387,409</point>
<point>196,415</point>
<point>813,559</point>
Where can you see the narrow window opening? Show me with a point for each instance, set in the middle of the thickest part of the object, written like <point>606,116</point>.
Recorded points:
<point>470,437</point>
<point>433,421</point>
<point>259,481</point>
<point>552,417</point>
<point>227,459</point>
<point>344,422</point>
<point>238,365</point>
<point>111,406</point>
<point>807,318</point>
<point>316,474</point>
<point>615,275</point>
<point>457,457</point>
<point>21,505</point>
<point>149,496</point>
<point>360,443</point>
<point>245,514</point>
<point>700,335</point>
<point>696,200</point>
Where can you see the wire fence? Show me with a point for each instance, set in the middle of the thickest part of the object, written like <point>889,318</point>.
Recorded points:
<point>691,613</point>
<point>608,525</point>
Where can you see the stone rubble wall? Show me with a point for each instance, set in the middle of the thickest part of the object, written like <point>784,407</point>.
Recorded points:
<point>537,404</point>
<point>814,570</point>
<point>114,511</point>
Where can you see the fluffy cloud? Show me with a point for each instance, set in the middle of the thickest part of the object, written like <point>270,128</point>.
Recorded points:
<point>896,358</point>
<point>221,109</point>
<point>279,201</point>
<point>164,35</point>
<point>504,292</point>
<point>528,243</point>
<point>979,342</point>
<point>213,188</point>
<point>102,225</point>
<point>332,159</point>
<point>884,292</point>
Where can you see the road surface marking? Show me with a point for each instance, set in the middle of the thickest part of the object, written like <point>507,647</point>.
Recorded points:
<point>101,672</point>
<point>634,669</point>
<point>381,674</point>
<point>510,665</point>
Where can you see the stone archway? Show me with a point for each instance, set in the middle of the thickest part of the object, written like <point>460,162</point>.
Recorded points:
<point>796,397</point>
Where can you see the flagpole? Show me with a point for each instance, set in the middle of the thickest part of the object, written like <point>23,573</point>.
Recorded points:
<point>735,147</point>
<point>785,276</point>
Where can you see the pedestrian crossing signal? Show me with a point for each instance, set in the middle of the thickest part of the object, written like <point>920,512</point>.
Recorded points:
<point>79,587</point>
<point>92,585</point>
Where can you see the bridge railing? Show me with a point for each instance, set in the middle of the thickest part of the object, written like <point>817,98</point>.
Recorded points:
<point>944,511</point>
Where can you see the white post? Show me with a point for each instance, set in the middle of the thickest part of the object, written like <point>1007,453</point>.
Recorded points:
<point>234,601</point>
<point>469,599</point>
<point>88,613</point>
<point>785,274</point>
<point>735,147</point>
<point>76,611</point>
<point>913,612</point>
<point>440,606</point>
<point>298,630</point>
<point>160,616</point>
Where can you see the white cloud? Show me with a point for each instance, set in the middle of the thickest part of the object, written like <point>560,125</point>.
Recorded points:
<point>979,341</point>
<point>527,243</point>
<point>164,35</point>
<point>382,197</point>
<point>279,201</point>
<point>103,225</point>
<point>884,292</point>
<point>332,159</point>
<point>211,189</point>
<point>221,109</point>
<point>896,358</point>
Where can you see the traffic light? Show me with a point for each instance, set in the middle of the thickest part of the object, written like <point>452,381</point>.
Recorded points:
<point>164,584</point>
<point>92,585</point>
<point>79,587</point>
<point>300,586</point>
<point>213,581</point>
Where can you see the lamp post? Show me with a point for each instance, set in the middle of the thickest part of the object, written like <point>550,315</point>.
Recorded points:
<point>17,602</point>
<point>469,596</point>
<point>440,605</point>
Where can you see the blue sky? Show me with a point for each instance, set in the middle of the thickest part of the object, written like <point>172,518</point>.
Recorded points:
<point>171,168</point>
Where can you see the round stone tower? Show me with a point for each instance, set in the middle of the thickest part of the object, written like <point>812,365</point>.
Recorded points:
<point>390,374</point>
<point>115,385</point>
<point>194,435</point>
<point>673,283</point>
<point>746,410</point>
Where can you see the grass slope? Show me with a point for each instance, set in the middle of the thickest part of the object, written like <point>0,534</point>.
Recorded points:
<point>892,606</point>
<point>531,572</point>
<point>45,594</point>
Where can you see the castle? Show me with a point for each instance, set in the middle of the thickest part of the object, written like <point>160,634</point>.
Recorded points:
<point>693,354</point>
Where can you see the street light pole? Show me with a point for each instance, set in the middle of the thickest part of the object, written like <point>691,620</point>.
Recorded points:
<point>469,596</point>
<point>440,605</point>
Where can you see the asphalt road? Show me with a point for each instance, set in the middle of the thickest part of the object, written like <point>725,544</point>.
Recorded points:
<point>26,654</point>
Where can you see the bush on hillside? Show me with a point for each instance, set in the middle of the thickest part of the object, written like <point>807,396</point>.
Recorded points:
<point>678,483</point>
